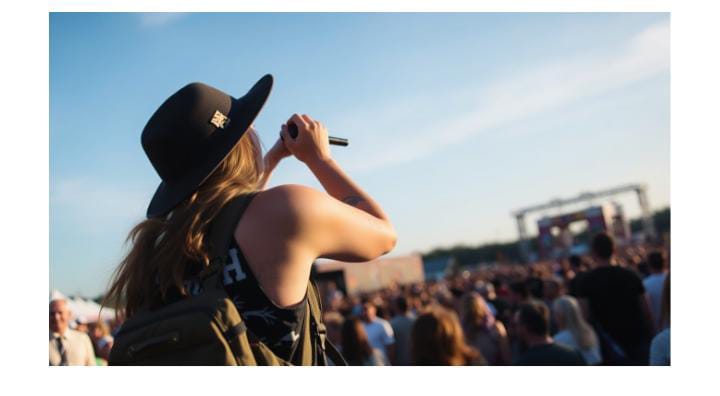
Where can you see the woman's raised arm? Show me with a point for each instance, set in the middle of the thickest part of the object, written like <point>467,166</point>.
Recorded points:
<point>346,223</point>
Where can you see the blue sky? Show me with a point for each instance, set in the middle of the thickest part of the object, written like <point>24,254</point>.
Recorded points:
<point>454,120</point>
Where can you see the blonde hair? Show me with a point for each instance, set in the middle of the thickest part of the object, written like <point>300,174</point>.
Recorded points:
<point>567,310</point>
<point>100,325</point>
<point>163,248</point>
<point>474,311</point>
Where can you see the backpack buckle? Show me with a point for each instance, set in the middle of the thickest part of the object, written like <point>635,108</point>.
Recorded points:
<point>322,334</point>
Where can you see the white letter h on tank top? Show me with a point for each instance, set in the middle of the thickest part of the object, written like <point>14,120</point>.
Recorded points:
<point>233,267</point>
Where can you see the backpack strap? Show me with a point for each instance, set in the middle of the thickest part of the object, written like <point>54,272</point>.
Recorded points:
<point>320,331</point>
<point>221,234</point>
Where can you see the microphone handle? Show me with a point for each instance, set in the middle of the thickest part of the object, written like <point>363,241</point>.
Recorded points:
<point>336,141</point>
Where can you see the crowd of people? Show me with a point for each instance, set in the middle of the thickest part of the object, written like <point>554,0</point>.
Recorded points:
<point>611,307</point>
<point>78,341</point>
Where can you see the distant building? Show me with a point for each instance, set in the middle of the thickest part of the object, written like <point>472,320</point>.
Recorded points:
<point>354,278</point>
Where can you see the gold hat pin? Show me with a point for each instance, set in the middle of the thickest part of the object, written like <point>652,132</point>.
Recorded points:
<point>220,120</point>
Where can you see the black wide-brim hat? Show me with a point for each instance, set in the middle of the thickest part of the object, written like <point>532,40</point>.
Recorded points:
<point>191,133</point>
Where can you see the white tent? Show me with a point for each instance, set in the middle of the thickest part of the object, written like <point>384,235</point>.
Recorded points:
<point>82,309</point>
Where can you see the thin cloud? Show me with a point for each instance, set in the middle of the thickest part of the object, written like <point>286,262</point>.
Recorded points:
<point>156,19</point>
<point>542,88</point>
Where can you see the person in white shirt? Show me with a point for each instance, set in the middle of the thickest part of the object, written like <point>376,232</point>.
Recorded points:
<point>654,284</point>
<point>379,332</point>
<point>575,332</point>
<point>68,347</point>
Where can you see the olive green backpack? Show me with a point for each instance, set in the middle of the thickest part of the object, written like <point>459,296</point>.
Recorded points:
<point>207,329</point>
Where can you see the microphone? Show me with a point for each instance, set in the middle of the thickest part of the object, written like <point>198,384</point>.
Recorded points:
<point>336,141</point>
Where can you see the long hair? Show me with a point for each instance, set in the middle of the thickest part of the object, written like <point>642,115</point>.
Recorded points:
<point>163,248</point>
<point>567,309</point>
<point>437,340</point>
<point>100,325</point>
<point>355,345</point>
<point>475,313</point>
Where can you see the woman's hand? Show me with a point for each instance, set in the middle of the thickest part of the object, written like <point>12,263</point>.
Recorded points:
<point>276,153</point>
<point>311,144</point>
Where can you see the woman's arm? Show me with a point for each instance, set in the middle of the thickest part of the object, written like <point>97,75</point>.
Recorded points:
<point>289,226</point>
<point>346,223</point>
<point>271,160</point>
<point>341,187</point>
<point>311,147</point>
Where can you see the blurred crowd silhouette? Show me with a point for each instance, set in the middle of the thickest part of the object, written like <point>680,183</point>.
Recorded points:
<point>611,307</point>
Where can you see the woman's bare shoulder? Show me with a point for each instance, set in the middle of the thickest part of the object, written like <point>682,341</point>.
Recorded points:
<point>290,190</point>
<point>287,191</point>
<point>289,199</point>
<point>274,212</point>
<point>285,207</point>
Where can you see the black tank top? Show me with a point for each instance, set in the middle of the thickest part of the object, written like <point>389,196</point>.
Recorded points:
<point>278,328</point>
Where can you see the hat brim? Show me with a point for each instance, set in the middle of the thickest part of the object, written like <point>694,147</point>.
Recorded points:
<point>242,114</point>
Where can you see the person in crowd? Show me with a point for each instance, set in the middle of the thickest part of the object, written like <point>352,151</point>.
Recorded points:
<point>487,291</point>
<point>533,325</point>
<point>116,323</point>
<point>642,267</point>
<point>68,347</point>
<point>552,289</point>
<point>381,310</point>
<point>81,324</point>
<point>614,299</point>
<point>333,323</point>
<point>519,293</point>
<point>333,297</point>
<point>654,284</point>
<point>356,348</point>
<point>535,287</point>
<point>574,331</point>
<point>500,306</point>
<point>352,307</point>
<point>379,332</point>
<point>101,338</point>
<point>437,340</point>
<point>579,269</point>
<point>402,324</point>
<point>660,345</point>
<point>482,331</point>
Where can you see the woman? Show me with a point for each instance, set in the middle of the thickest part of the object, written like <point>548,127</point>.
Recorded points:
<point>356,348</point>
<point>482,331</point>
<point>202,144</point>
<point>437,340</point>
<point>102,340</point>
<point>575,332</point>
